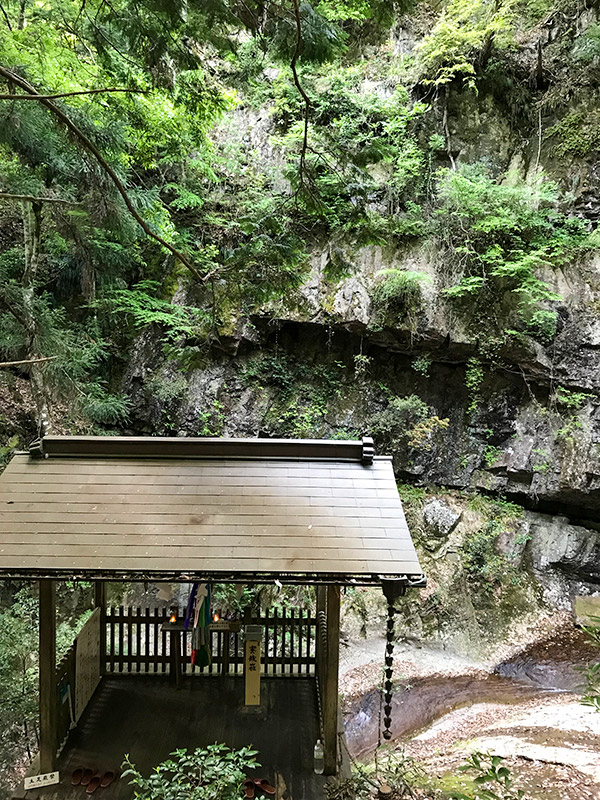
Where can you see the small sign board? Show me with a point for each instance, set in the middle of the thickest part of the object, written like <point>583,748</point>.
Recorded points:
<point>253,632</point>
<point>225,625</point>
<point>252,670</point>
<point>35,781</point>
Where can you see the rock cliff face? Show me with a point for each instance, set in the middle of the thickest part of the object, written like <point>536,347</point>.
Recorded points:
<point>513,416</point>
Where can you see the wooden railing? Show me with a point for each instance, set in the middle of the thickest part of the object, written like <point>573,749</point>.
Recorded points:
<point>137,643</point>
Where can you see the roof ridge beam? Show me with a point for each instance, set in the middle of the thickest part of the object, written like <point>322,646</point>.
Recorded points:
<point>201,447</point>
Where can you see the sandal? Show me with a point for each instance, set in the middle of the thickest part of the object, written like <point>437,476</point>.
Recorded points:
<point>93,784</point>
<point>107,779</point>
<point>248,785</point>
<point>264,785</point>
<point>76,777</point>
<point>87,777</point>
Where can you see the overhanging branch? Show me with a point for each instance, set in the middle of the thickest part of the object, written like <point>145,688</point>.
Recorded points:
<point>106,167</point>
<point>27,361</point>
<point>28,198</point>
<point>305,97</point>
<point>67,94</point>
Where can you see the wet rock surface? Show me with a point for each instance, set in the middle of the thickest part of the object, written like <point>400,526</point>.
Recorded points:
<point>526,710</point>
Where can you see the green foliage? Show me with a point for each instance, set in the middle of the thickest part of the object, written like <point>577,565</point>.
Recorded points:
<point>464,30</point>
<point>143,308</point>
<point>542,325</point>
<point>542,464</point>
<point>212,773</point>
<point>19,676</point>
<point>302,393</point>
<point>6,450</point>
<point>499,236</point>
<point>363,155</point>
<point>474,375</point>
<point>486,569</point>
<point>398,294</point>
<point>104,408</point>
<point>570,400</point>
<point>399,771</point>
<point>212,421</point>
<point>491,454</point>
<point>407,423</point>
<point>592,671</point>
<point>493,781</point>
<point>411,495</point>
<point>586,49</point>
<point>576,134</point>
<point>361,366</point>
<point>422,364</point>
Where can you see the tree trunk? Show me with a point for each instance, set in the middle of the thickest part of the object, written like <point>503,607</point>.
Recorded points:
<point>32,234</point>
<point>21,21</point>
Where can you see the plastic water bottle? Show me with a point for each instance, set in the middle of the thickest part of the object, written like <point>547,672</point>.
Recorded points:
<point>319,758</point>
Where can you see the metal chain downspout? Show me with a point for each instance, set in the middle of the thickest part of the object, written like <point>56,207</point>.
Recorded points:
<point>392,591</point>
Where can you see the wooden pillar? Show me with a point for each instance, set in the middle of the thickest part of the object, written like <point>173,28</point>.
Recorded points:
<point>330,705</point>
<point>175,647</point>
<point>321,641</point>
<point>100,602</point>
<point>48,690</point>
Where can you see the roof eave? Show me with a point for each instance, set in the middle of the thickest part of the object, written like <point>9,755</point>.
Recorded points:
<point>412,581</point>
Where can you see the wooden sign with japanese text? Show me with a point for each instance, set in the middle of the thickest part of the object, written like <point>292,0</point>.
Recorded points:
<point>252,672</point>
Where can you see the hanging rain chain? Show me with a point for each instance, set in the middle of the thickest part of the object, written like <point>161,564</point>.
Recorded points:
<point>392,591</point>
<point>389,662</point>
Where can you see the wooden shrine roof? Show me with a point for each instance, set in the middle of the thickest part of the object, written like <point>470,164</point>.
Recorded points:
<point>129,508</point>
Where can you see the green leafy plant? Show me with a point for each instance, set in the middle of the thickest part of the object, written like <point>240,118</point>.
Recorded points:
<point>398,292</point>
<point>473,380</point>
<point>407,422</point>
<point>211,773</point>
<point>571,400</point>
<point>361,366</point>
<point>542,463</point>
<point>422,364</point>
<point>461,39</point>
<point>592,672</point>
<point>143,308</point>
<point>103,407</point>
<point>486,568</point>
<point>492,779</point>
<point>500,236</point>
<point>491,454</point>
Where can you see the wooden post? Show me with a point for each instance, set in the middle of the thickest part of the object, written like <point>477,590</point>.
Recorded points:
<point>330,704</point>
<point>48,690</point>
<point>321,644</point>
<point>176,657</point>
<point>100,602</point>
<point>225,653</point>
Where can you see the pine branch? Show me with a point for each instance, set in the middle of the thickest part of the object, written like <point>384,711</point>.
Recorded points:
<point>28,198</point>
<point>27,361</point>
<point>67,94</point>
<point>300,88</point>
<point>5,15</point>
<point>106,167</point>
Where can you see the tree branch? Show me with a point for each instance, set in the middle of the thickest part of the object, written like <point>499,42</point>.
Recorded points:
<point>5,15</point>
<point>67,94</point>
<point>28,198</point>
<point>91,148</point>
<point>300,88</point>
<point>27,361</point>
